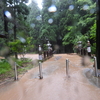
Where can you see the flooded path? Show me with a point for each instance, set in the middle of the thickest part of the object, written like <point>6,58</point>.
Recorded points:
<point>55,84</point>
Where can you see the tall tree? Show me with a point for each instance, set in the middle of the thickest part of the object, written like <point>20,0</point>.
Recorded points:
<point>15,14</point>
<point>98,35</point>
<point>71,18</point>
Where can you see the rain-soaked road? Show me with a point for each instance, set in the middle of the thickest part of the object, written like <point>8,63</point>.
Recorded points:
<point>55,85</point>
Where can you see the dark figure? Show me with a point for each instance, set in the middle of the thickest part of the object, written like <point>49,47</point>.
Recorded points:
<point>83,51</point>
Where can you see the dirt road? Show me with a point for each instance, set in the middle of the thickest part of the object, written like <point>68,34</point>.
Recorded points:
<point>55,85</point>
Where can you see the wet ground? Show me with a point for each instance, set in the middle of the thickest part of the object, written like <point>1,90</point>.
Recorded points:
<point>55,85</point>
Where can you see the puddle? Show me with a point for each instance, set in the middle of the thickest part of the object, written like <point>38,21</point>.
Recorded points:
<point>45,72</point>
<point>57,58</point>
<point>90,75</point>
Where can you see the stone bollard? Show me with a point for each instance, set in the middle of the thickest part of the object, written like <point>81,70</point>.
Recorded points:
<point>40,70</point>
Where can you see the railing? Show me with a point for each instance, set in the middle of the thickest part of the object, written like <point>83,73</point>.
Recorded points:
<point>40,70</point>
<point>95,65</point>
<point>67,68</point>
<point>47,54</point>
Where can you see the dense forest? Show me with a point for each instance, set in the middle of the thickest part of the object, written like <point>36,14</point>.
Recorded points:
<point>62,22</point>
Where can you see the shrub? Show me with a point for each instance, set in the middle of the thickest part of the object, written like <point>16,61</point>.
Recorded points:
<point>4,66</point>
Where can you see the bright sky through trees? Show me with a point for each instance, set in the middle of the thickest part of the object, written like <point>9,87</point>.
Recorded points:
<point>39,3</point>
<point>29,2</point>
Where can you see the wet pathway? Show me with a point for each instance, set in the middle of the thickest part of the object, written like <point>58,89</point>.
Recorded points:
<point>55,85</point>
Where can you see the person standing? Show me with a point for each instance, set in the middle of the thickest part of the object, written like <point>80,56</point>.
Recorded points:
<point>79,47</point>
<point>40,53</point>
<point>88,48</point>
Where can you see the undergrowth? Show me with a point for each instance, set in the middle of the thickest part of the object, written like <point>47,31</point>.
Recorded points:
<point>7,71</point>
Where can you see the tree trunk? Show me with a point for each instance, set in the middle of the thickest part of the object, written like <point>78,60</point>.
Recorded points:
<point>98,35</point>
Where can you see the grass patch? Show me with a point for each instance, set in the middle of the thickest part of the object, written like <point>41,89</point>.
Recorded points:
<point>23,61</point>
<point>23,70</point>
<point>4,66</point>
<point>6,70</point>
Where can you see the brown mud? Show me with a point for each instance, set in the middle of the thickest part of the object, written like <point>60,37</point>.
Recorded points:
<point>55,85</point>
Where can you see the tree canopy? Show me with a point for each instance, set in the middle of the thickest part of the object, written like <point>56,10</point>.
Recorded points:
<point>72,20</point>
<point>62,22</point>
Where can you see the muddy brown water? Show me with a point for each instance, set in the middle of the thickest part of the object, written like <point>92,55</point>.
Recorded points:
<point>55,85</point>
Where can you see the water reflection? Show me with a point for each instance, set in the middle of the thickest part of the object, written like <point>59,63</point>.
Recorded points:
<point>39,18</point>
<point>52,8</point>
<point>22,39</point>
<point>86,7</point>
<point>10,32</point>
<point>11,62</point>
<point>27,2</point>
<point>71,7</point>
<point>4,51</point>
<point>8,14</point>
<point>32,25</point>
<point>92,11</point>
<point>86,61</point>
<point>50,21</point>
<point>90,75</point>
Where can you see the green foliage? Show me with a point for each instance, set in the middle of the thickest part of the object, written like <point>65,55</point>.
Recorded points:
<point>93,32</point>
<point>81,38</point>
<point>4,66</point>
<point>93,48</point>
<point>21,46</point>
<point>16,45</point>
<point>19,16</point>
<point>22,61</point>
<point>93,37</point>
<point>22,9</point>
<point>45,47</point>
<point>67,24</point>
<point>7,71</point>
<point>77,27</point>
